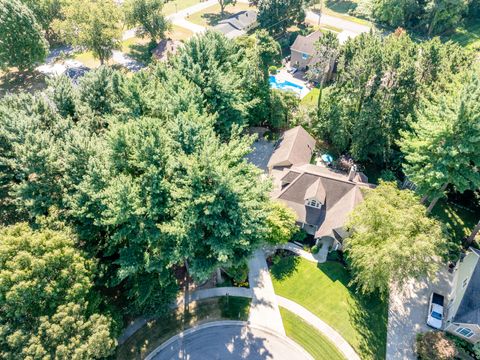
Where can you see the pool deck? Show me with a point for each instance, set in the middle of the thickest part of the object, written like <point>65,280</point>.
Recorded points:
<point>284,75</point>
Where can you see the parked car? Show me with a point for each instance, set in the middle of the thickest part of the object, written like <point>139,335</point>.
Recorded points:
<point>435,311</point>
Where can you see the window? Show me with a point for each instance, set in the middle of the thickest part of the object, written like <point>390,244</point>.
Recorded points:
<point>465,332</point>
<point>314,203</point>
<point>465,282</point>
<point>304,56</point>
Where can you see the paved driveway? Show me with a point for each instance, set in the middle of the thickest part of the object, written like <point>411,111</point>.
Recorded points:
<point>262,151</point>
<point>230,340</point>
<point>407,314</point>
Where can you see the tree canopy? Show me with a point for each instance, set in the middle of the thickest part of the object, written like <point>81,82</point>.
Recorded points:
<point>94,25</point>
<point>22,43</point>
<point>276,16</point>
<point>392,239</point>
<point>44,287</point>
<point>442,147</point>
<point>148,16</point>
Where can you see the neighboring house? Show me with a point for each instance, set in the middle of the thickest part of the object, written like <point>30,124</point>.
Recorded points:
<point>165,48</point>
<point>304,54</point>
<point>238,24</point>
<point>321,197</point>
<point>463,308</point>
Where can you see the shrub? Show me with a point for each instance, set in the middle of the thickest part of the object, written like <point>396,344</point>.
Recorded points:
<point>476,350</point>
<point>315,249</point>
<point>273,69</point>
<point>434,345</point>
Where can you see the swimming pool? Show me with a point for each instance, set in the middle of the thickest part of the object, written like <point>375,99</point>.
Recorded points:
<point>286,85</point>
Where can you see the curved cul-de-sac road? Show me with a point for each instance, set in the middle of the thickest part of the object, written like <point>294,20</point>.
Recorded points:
<point>232,340</point>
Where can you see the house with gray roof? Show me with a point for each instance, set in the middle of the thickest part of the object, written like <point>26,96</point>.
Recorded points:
<point>321,198</point>
<point>238,24</point>
<point>463,307</point>
<point>304,55</point>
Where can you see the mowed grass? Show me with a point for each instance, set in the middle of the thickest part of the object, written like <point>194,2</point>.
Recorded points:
<point>323,289</point>
<point>467,36</point>
<point>309,338</point>
<point>172,6</point>
<point>340,9</point>
<point>159,330</point>
<point>179,33</point>
<point>459,221</point>
<point>211,15</point>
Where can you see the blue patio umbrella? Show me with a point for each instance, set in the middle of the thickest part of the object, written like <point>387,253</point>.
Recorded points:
<point>327,158</point>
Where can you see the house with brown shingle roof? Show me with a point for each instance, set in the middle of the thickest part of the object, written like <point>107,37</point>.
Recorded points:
<point>321,197</point>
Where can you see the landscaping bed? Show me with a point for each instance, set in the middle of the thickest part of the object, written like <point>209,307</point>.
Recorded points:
<point>324,290</point>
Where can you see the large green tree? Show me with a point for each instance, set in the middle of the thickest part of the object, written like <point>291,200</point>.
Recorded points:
<point>46,12</point>
<point>44,285</point>
<point>391,239</point>
<point>276,16</point>
<point>443,147</point>
<point>22,43</point>
<point>148,16</point>
<point>94,25</point>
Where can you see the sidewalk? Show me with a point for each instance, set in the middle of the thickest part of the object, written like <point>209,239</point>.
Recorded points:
<point>264,308</point>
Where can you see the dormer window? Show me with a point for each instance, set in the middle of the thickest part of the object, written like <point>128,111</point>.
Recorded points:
<point>314,203</point>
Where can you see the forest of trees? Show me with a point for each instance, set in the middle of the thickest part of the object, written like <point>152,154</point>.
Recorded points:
<point>132,178</point>
<point>431,17</point>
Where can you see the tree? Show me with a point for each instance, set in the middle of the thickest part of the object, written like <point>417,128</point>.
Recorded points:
<point>443,15</point>
<point>396,13</point>
<point>276,16</point>
<point>219,206</point>
<point>65,95</point>
<point>94,25</point>
<point>281,223</point>
<point>148,16</point>
<point>391,239</point>
<point>22,43</point>
<point>211,62</point>
<point>374,93</point>
<point>327,48</point>
<point>442,148</point>
<point>44,285</point>
<point>46,11</point>
<point>225,3</point>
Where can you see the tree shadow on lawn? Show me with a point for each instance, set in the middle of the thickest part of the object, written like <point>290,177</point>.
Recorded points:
<point>367,314</point>
<point>142,52</point>
<point>285,268</point>
<point>214,18</point>
<point>341,6</point>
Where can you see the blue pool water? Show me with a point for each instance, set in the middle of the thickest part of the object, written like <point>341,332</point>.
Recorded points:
<point>285,85</point>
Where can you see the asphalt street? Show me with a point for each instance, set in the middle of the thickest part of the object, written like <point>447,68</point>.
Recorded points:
<point>231,342</point>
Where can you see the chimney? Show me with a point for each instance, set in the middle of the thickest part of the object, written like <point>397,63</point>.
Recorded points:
<point>352,173</point>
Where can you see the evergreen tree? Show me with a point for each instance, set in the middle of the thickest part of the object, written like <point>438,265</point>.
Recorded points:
<point>442,148</point>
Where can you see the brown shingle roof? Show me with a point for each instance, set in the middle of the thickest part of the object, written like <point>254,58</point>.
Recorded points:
<point>294,148</point>
<point>306,44</point>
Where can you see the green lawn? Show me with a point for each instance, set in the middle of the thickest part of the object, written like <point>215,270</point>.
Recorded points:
<point>309,338</point>
<point>324,290</point>
<point>211,15</point>
<point>460,222</point>
<point>467,36</point>
<point>172,6</point>
<point>340,9</point>
<point>159,330</point>
<point>311,99</point>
